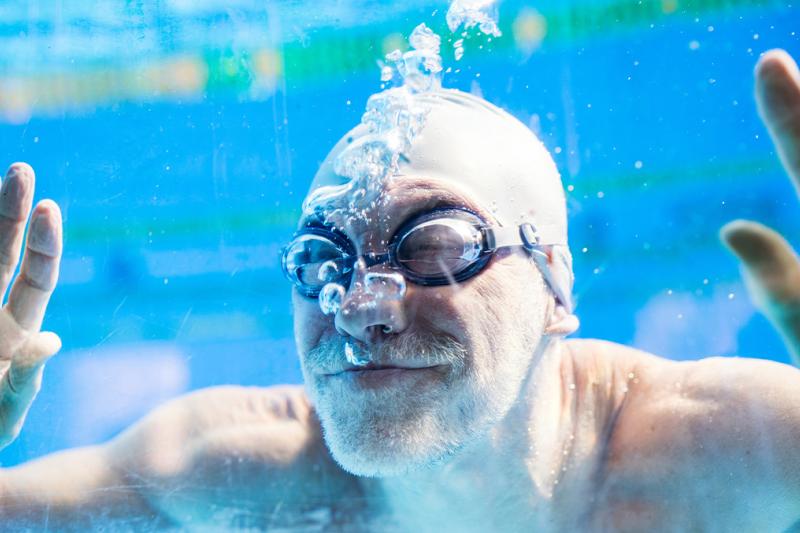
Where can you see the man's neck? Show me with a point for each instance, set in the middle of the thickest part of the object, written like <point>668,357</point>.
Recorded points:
<point>520,461</point>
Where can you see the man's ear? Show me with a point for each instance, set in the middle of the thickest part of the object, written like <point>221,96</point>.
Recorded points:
<point>561,322</point>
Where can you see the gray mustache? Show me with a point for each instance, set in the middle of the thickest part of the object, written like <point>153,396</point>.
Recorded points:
<point>328,356</point>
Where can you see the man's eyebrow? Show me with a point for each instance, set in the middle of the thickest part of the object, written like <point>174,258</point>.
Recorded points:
<point>444,199</point>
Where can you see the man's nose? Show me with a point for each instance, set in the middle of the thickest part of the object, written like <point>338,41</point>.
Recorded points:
<point>374,305</point>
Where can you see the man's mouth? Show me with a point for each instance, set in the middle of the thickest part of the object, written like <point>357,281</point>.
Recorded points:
<point>373,366</point>
<point>379,366</point>
<point>376,375</point>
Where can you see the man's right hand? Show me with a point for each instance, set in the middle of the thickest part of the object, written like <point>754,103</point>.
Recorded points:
<point>770,265</point>
<point>23,348</point>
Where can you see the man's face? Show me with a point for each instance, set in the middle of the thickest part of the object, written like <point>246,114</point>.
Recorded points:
<point>447,361</point>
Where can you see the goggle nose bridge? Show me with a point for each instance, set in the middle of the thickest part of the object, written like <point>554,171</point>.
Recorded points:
<point>372,259</point>
<point>370,278</point>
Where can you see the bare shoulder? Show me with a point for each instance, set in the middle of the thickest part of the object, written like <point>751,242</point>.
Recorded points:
<point>718,393</point>
<point>713,406</point>
<point>596,355</point>
<point>685,430</point>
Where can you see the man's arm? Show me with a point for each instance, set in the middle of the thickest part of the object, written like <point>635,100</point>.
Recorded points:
<point>227,457</point>
<point>73,490</point>
<point>100,486</point>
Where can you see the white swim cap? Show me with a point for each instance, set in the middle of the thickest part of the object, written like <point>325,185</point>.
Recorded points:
<point>494,158</point>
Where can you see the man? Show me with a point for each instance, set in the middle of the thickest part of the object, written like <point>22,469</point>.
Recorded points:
<point>442,395</point>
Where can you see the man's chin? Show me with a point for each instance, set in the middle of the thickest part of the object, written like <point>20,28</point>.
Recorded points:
<point>385,458</point>
<point>376,434</point>
<point>361,463</point>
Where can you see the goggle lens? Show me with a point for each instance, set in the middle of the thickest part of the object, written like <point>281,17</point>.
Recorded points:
<point>438,248</point>
<point>313,260</point>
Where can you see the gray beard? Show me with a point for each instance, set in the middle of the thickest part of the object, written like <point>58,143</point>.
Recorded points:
<point>389,432</point>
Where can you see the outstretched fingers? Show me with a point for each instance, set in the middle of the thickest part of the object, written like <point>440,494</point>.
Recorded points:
<point>772,270</point>
<point>772,273</point>
<point>16,196</point>
<point>23,349</point>
<point>39,271</point>
<point>778,99</point>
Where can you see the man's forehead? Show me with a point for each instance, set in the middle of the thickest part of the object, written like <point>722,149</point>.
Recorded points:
<point>400,197</point>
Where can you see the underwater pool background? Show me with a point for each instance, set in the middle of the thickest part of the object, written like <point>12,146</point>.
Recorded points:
<point>179,138</point>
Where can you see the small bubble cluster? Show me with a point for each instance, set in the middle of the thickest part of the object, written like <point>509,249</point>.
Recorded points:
<point>471,13</point>
<point>393,118</point>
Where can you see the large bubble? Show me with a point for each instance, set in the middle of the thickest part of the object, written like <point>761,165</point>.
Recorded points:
<point>385,285</point>
<point>330,298</point>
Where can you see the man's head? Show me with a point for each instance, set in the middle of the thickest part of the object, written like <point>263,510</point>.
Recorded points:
<point>448,361</point>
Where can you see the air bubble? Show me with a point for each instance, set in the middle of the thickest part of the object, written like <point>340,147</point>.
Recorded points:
<point>459,49</point>
<point>423,38</point>
<point>330,298</point>
<point>357,359</point>
<point>329,271</point>
<point>385,286</point>
<point>471,13</point>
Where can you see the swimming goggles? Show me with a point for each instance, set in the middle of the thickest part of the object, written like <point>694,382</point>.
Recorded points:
<point>441,247</point>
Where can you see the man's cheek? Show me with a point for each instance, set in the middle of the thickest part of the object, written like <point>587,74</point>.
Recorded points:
<point>310,325</point>
<point>437,307</point>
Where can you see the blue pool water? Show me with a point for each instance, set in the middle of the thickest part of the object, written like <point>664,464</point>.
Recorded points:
<point>180,141</point>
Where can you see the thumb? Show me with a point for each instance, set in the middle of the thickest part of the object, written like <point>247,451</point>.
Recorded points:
<point>27,363</point>
<point>22,381</point>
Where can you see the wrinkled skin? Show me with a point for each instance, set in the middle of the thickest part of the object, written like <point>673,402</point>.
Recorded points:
<point>575,435</point>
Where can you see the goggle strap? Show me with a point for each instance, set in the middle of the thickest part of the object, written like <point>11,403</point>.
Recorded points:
<point>547,234</point>
<point>533,239</point>
<point>558,289</point>
<point>527,235</point>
